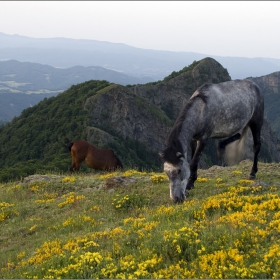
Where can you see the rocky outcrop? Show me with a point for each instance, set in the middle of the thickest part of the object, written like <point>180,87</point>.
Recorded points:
<point>146,113</point>
<point>270,86</point>
<point>119,110</point>
<point>98,136</point>
<point>40,178</point>
<point>174,91</point>
<point>117,181</point>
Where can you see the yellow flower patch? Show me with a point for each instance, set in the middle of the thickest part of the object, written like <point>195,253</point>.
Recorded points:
<point>202,180</point>
<point>69,179</point>
<point>70,198</point>
<point>158,178</point>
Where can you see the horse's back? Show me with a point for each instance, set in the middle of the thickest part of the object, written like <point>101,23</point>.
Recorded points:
<point>80,148</point>
<point>103,159</point>
<point>231,94</point>
<point>230,106</point>
<point>241,97</point>
<point>94,157</point>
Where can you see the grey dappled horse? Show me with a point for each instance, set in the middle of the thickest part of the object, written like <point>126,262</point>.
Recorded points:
<point>214,111</point>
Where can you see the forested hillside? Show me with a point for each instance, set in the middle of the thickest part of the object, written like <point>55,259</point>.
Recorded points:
<point>134,121</point>
<point>31,142</point>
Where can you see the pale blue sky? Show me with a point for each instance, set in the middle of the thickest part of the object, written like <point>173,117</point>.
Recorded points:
<point>226,28</point>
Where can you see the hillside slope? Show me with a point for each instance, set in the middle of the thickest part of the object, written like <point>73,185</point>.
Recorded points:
<point>123,225</point>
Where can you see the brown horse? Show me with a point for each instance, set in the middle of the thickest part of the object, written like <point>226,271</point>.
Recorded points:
<point>93,156</point>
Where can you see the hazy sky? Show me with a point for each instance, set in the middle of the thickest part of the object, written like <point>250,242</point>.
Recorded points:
<point>226,28</point>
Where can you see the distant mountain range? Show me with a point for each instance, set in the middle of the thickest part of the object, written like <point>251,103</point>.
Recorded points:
<point>33,69</point>
<point>24,84</point>
<point>27,77</point>
<point>131,61</point>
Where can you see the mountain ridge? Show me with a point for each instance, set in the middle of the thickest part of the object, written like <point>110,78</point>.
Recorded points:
<point>133,61</point>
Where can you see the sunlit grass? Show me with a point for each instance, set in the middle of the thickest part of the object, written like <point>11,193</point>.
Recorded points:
<point>73,228</point>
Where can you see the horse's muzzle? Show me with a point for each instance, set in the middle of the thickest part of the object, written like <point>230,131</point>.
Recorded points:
<point>179,199</point>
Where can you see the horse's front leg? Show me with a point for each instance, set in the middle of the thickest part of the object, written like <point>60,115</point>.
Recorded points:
<point>72,167</point>
<point>75,166</point>
<point>194,164</point>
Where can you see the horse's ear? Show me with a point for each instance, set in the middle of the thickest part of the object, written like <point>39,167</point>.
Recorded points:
<point>161,154</point>
<point>179,155</point>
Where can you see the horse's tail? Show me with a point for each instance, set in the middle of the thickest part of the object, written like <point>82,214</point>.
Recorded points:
<point>236,151</point>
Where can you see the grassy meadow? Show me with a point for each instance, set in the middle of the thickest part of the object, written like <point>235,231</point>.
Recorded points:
<point>87,226</point>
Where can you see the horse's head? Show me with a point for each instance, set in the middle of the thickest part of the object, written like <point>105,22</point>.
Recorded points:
<point>177,169</point>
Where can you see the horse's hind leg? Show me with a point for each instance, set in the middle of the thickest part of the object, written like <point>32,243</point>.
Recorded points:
<point>256,132</point>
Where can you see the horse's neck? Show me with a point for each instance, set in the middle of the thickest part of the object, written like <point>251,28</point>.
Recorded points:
<point>190,127</point>
<point>185,138</point>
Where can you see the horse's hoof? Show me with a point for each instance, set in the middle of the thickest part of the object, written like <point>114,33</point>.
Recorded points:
<point>252,177</point>
<point>189,186</point>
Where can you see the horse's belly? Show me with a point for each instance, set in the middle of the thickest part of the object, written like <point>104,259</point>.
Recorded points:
<point>222,131</point>
<point>96,163</point>
<point>230,123</point>
<point>222,134</point>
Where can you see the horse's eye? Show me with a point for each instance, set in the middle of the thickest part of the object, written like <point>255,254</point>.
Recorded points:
<point>179,171</point>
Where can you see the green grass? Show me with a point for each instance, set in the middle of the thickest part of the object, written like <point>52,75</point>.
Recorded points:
<point>83,227</point>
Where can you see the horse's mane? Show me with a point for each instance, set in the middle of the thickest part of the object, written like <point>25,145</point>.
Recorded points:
<point>174,134</point>
<point>173,144</point>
